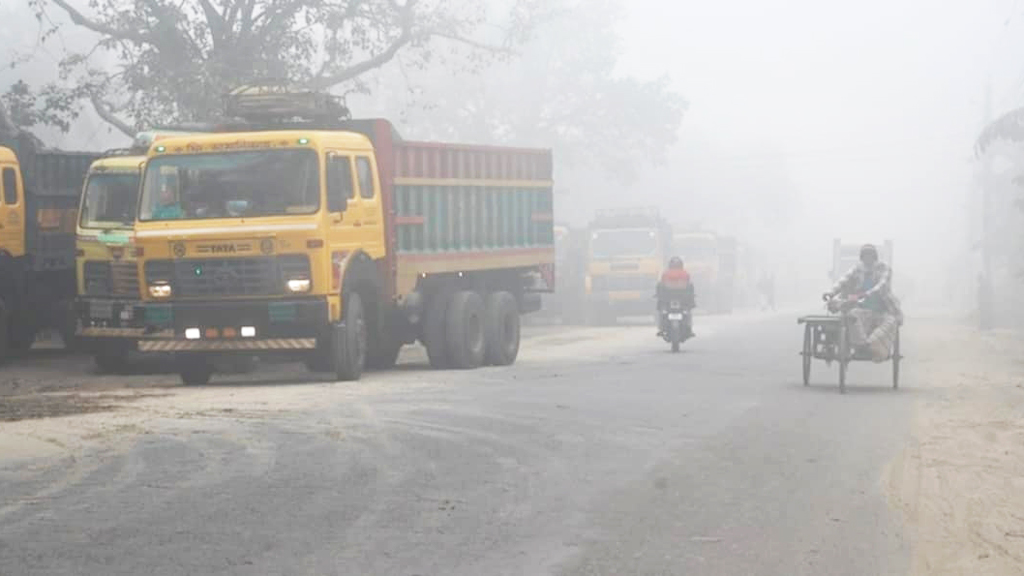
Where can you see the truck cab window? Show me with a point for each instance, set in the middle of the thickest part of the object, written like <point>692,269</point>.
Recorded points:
<point>340,188</point>
<point>365,173</point>
<point>10,183</point>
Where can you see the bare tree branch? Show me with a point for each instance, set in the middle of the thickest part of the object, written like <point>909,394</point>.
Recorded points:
<point>363,67</point>
<point>99,27</point>
<point>104,111</point>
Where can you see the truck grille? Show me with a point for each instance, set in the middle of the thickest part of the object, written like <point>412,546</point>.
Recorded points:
<point>124,279</point>
<point>204,277</point>
<point>104,278</point>
<point>96,276</point>
<point>624,282</point>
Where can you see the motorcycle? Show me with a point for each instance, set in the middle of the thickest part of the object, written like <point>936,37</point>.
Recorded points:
<point>677,324</point>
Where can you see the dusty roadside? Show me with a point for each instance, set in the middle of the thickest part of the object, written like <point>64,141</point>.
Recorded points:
<point>959,483</point>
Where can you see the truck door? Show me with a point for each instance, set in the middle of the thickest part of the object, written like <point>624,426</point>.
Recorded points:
<point>12,211</point>
<point>342,204</point>
<point>371,215</point>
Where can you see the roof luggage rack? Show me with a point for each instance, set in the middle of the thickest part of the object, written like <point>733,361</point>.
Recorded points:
<point>275,101</point>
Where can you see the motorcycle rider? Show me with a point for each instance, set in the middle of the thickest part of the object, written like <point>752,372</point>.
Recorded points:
<point>878,313</point>
<point>674,285</point>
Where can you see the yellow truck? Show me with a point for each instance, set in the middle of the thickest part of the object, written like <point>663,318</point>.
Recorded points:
<point>711,261</point>
<point>627,251</point>
<point>337,241</point>
<point>106,262</point>
<point>39,193</point>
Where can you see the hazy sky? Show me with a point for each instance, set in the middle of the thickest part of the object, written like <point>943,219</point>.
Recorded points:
<point>875,104</point>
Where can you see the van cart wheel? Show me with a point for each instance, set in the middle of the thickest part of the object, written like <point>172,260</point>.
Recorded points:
<point>465,330</point>
<point>843,348</point>
<point>896,361</point>
<point>349,341</point>
<point>195,370</point>
<point>502,329</point>
<point>435,330</point>
<point>808,353</point>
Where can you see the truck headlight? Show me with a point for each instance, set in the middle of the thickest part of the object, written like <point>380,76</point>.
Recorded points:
<point>297,285</point>
<point>160,290</point>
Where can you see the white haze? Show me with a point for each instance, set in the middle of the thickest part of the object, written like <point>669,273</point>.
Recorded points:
<point>807,120</point>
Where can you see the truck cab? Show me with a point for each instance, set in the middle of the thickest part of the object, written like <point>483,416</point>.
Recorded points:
<point>626,254</point>
<point>699,250</point>
<point>106,258</point>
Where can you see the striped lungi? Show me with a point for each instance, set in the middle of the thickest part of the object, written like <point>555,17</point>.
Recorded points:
<point>877,330</point>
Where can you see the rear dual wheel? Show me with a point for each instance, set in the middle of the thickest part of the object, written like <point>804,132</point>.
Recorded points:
<point>463,331</point>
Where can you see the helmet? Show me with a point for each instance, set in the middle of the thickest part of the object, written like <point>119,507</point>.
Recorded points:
<point>675,262</point>
<point>869,250</point>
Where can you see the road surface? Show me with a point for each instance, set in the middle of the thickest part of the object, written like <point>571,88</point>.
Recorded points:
<point>598,453</point>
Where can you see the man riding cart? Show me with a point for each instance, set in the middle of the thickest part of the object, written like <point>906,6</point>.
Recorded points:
<point>877,314</point>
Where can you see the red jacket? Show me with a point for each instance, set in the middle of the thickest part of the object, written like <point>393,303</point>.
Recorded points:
<point>675,279</point>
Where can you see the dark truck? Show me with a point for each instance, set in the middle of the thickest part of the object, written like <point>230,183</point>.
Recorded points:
<point>39,192</point>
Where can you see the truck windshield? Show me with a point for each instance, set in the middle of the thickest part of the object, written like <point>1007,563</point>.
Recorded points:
<point>623,243</point>
<point>109,200</point>
<point>231,185</point>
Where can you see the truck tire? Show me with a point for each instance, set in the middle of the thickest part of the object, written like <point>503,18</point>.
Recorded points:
<point>501,329</point>
<point>435,331</point>
<point>465,330</point>
<point>194,370</point>
<point>349,341</point>
<point>111,359</point>
<point>20,337</point>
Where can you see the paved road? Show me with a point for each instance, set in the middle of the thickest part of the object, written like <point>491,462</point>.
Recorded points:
<point>599,453</point>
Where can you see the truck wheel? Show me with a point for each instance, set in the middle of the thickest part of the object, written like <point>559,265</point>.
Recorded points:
<point>465,330</point>
<point>502,329</point>
<point>112,360</point>
<point>435,333</point>
<point>20,337</point>
<point>195,370</point>
<point>349,344</point>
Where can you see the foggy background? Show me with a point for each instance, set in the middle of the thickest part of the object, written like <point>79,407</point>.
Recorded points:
<point>803,121</point>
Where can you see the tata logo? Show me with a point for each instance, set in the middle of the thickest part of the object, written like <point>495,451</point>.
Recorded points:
<point>218,249</point>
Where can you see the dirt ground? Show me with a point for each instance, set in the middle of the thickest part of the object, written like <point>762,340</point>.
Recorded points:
<point>960,482</point>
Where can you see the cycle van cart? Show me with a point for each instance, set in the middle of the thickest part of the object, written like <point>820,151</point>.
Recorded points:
<point>827,337</point>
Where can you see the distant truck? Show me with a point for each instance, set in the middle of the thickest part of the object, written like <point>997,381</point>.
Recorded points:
<point>846,256</point>
<point>298,231</point>
<point>712,263</point>
<point>627,250</point>
<point>39,192</point>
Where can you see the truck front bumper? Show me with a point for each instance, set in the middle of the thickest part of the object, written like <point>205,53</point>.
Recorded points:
<point>232,325</point>
<point>623,303</point>
<point>106,318</point>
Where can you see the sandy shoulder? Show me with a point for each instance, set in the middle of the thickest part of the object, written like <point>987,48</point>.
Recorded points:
<point>960,481</point>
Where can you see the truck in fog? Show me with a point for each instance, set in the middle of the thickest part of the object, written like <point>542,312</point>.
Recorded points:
<point>627,251</point>
<point>296,230</point>
<point>39,192</point>
<point>711,261</point>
